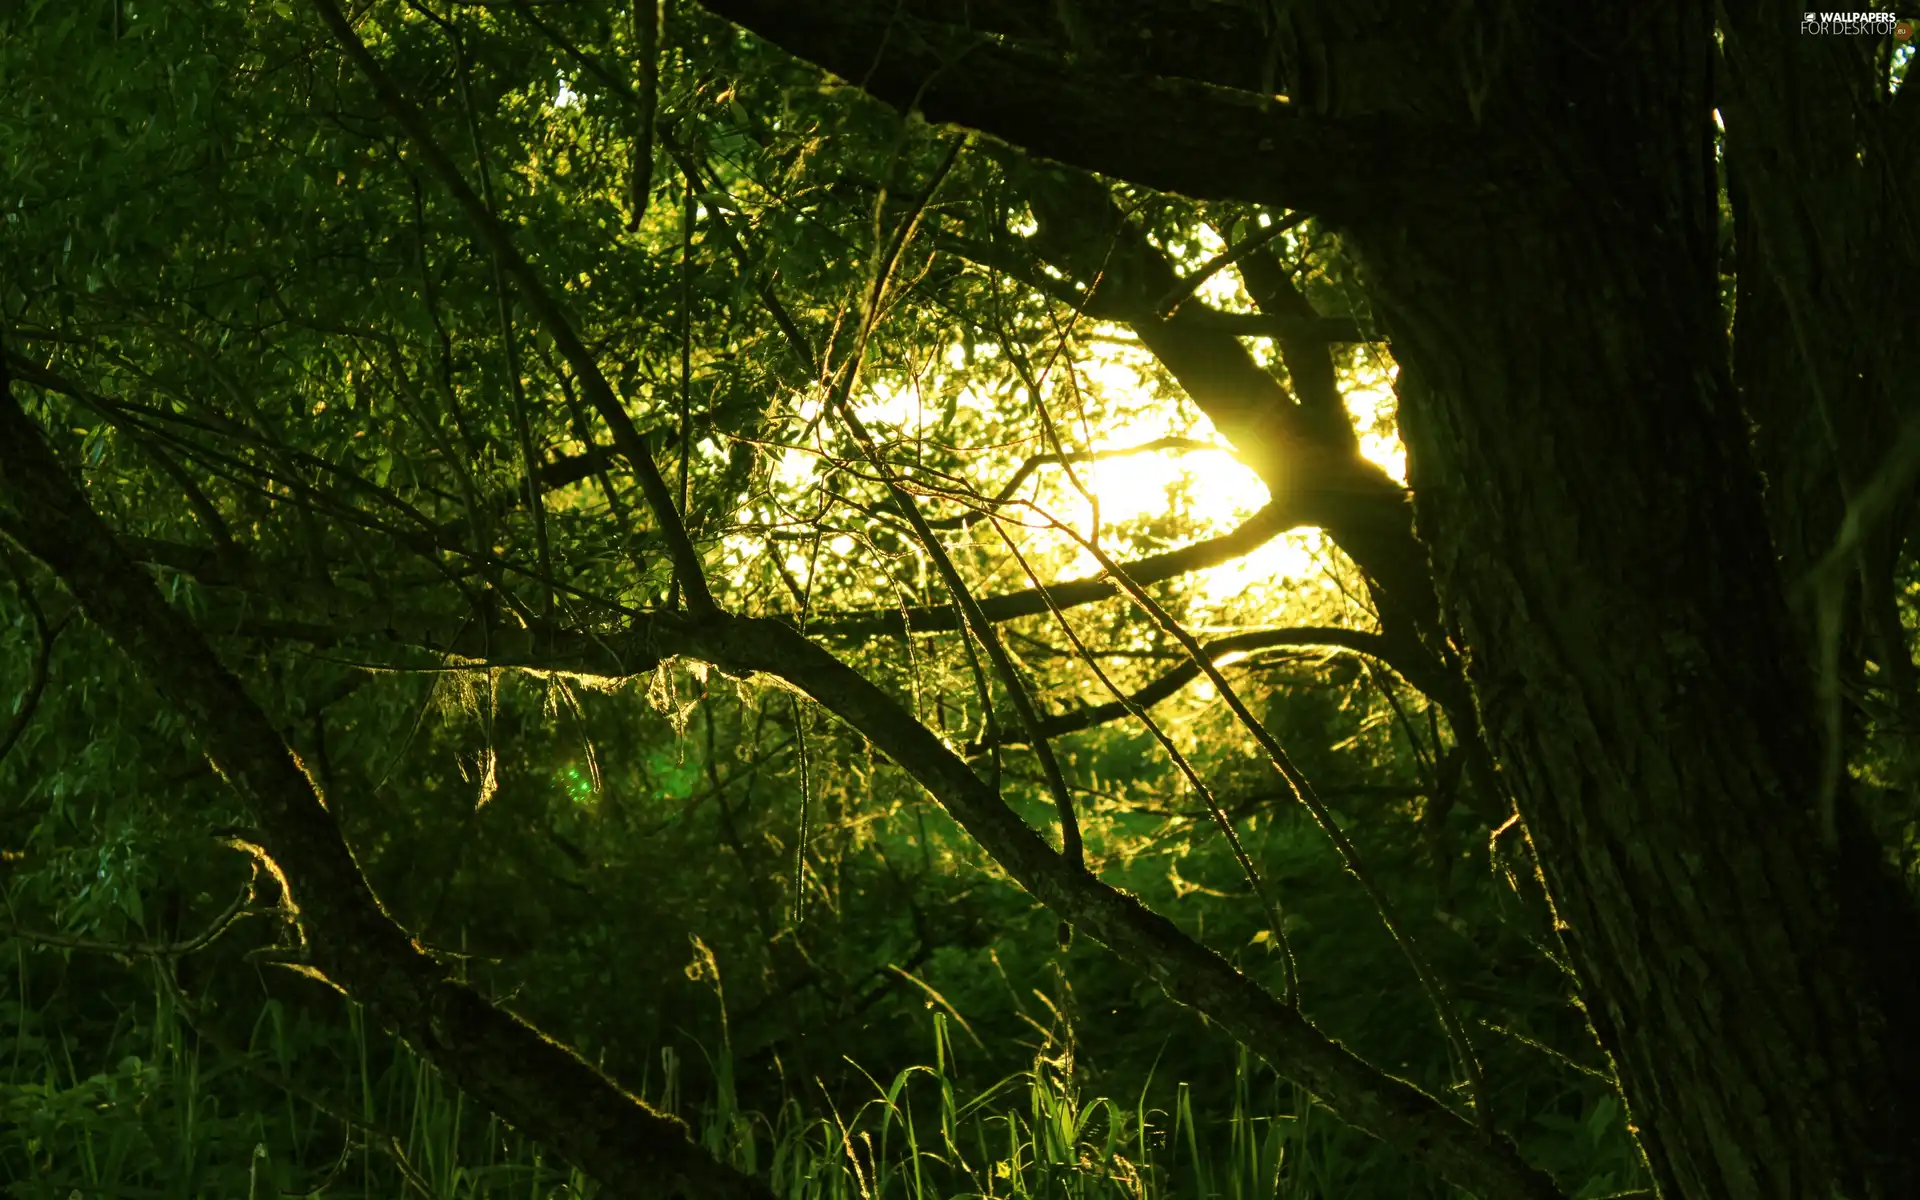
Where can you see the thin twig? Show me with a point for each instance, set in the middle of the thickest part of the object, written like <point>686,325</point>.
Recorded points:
<point>983,630</point>
<point>1430,981</point>
<point>495,235</point>
<point>1353,641</point>
<point>806,799</point>
<point>1290,989</point>
<point>688,209</point>
<point>1179,293</point>
<point>239,909</point>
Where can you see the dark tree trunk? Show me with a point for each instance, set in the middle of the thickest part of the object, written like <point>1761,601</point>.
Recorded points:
<point>1821,167</point>
<point>1598,540</point>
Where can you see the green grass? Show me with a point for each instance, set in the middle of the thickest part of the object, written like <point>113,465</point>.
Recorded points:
<point>158,1113</point>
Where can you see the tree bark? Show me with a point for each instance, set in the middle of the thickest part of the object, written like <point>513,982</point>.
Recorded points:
<point>1822,169</point>
<point>1583,483</point>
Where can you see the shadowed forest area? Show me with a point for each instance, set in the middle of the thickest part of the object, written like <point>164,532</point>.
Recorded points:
<point>1104,600</point>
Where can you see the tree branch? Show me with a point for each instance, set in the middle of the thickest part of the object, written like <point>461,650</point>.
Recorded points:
<point>1309,365</point>
<point>1386,1107</point>
<point>1101,304</point>
<point>985,504</point>
<point>230,916</point>
<point>349,939</point>
<point>1382,1105</point>
<point>1178,295</point>
<point>1305,451</point>
<point>1255,147</point>
<point>1389,1108</point>
<point>1254,532</point>
<point>1358,641</point>
<point>493,233</point>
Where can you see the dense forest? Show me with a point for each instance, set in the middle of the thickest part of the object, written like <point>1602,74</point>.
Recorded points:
<point>1113,600</point>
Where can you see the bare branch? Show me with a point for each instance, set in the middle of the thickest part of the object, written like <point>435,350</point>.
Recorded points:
<point>1102,304</point>
<point>1171,682</point>
<point>1309,365</point>
<point>1360,1093</point>
<point>1257,530</point>
<point>1189,284</point>
<point>1276,924</point>
<point>977,622</point>
<point>1349,854</point>
<point>231,915</point>
<point>985,504</point>
<point>1387,1107</point>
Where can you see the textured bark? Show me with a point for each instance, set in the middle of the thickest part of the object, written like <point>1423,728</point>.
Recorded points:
<point>1824,171</point>
<point>1582,479</point>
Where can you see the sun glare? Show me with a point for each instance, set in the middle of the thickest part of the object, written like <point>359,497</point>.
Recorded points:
<point>1371,405</point>
<point>1198,484</point>
<point>1212,488</point>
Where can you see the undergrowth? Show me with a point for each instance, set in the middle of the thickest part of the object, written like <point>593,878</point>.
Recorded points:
<point>159,1112</point>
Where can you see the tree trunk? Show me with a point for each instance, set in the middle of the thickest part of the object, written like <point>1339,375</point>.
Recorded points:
<point>1534,204</point>
<point>1595,524</point>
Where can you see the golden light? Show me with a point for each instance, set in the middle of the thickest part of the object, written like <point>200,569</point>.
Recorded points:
<point>1115,383</point>
<point>1214,489</point>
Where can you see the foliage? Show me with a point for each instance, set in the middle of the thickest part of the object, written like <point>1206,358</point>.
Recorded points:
<point>315,401</point>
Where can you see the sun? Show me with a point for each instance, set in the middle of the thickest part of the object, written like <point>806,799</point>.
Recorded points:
<point>1152,454</point>
<point>1212,487</point>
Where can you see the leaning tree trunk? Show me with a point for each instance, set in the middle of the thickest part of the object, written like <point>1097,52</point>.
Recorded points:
<point>1582,481</point>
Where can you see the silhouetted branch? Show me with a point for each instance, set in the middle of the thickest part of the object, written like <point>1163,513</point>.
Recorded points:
<point>1358,1092</point>
<point>1251,534</point>
<point>1189,284</point>
<point>1179,677</point>
<point>1033,463</point>
<point>1134,128</point>
<point>1018,263</point>
<point>240,907</point>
